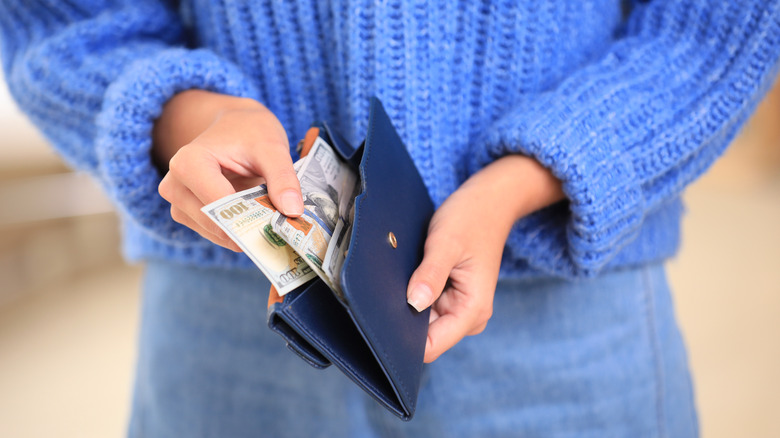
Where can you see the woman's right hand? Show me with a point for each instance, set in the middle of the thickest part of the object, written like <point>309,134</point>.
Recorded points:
<point>211,145</point>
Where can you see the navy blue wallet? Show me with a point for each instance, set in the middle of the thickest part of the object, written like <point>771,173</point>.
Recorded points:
<point>372,335</point>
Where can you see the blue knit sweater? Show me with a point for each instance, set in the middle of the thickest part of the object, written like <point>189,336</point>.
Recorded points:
<point>626,102</point>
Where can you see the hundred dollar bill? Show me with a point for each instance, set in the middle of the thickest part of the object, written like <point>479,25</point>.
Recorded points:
<point>339,243</point>
<point>308,240</point>
<point>246,218</point>
<point>324,180</point>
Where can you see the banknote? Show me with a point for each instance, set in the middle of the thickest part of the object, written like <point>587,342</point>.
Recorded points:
<point>308,239</point>
<point>246,218</point>
<point>339,244</point>
<point>326,181</point>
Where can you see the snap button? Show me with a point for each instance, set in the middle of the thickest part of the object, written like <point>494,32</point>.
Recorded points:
<point>391,238</point>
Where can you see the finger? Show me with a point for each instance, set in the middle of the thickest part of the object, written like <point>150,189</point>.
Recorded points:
<point>428,280</point>
<point>284,189</point>
<point>460,314</point>
<point>188,204</point>
<point>446,331</point>
<point>185,209</point>
<point>477,330</point>
<point>221,240</point>
<point>200,172</point>
<point>434,315</point>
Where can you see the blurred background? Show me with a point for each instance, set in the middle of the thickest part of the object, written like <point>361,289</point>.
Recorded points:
<point>69,305</point>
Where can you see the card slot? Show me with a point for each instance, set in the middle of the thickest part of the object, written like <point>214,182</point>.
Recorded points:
<point>347,152</point>
<point>295,341</point>
<point>325,324</point>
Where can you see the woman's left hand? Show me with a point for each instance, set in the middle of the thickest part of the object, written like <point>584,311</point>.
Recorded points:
<point>466,239</point>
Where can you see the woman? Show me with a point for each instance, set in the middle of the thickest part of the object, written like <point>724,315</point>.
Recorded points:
<point>555,139</point>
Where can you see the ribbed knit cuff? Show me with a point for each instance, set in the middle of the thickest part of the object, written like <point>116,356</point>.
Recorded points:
<point>606,204</point>
<point>124,140</point>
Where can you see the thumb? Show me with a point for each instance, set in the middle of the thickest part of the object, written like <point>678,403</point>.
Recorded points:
<point>284,189</point>
<point>430,278</point>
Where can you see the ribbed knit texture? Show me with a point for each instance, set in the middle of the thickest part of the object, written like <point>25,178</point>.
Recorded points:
<point>626,112</point>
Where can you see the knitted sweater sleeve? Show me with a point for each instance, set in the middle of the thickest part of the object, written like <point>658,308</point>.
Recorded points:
<point>94,75</point>
<point>626,133</point>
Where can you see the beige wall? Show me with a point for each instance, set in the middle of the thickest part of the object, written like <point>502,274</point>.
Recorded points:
<point>727,282</point>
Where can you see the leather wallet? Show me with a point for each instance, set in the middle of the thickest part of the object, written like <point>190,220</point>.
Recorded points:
<point>372,335</point>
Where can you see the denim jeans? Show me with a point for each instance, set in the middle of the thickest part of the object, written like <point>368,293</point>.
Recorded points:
<point>601,357</point>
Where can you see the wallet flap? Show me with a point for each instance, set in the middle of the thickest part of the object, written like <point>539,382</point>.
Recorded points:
<point>389,230</point>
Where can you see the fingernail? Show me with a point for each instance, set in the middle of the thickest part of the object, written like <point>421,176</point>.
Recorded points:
<point>420,297</point>
<point>292,204</point>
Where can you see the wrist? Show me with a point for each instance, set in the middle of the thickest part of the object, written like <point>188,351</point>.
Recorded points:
<point>515,186</point>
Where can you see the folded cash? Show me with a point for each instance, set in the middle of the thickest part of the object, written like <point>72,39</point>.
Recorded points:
<point>291,251</point>
<point>327,183</point>
<point>246,218</point>
<point>339,244</point>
